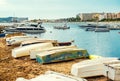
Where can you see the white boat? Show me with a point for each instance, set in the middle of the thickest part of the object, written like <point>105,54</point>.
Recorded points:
<point>25,50</point>
<point>26,28</point>
<point>37,51</point>
<point>53,76</point>
<point>90,68</point>
<point>36,41</point>
<point>62,27</point>
<point>102,30</point>
<point>17,39</point>
<point>61,55</point>
<point>112,70</point>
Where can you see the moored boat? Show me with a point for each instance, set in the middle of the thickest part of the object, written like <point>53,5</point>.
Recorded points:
<point>102,30</point>
<point>62,27</point>
<point>26,28</point>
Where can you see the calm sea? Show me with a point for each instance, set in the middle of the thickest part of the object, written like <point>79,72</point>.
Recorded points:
<point>99,43</point>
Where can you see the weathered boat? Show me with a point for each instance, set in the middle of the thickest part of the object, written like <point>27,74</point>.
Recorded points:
<point>25,50</point>
<point>37,51</point>
<point>112,70</point>
<point>17,39</point>
<point>53,76</point>
<point>61,55</point>
<point>90,68</point>
<point>36,41</point>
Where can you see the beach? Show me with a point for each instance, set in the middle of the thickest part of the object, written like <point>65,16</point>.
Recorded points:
<point>12,68</point>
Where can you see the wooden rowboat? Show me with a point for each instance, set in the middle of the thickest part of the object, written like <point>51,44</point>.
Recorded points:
<point>18,39</point>
<point>61,55</point>
<point>37,51</point>
<point>36,41</point>
<point>25,50</point>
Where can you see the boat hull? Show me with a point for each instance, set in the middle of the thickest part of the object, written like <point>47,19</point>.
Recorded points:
<point>90,68</point>
<point>112,70</point>
<point>25,51</point>
<point>61,55</point>
<point>34,52</point>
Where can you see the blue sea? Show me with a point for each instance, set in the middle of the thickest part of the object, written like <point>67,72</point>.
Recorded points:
<point>105,44</point>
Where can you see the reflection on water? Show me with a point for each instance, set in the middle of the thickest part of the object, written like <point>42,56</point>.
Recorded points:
<point>104,44</point>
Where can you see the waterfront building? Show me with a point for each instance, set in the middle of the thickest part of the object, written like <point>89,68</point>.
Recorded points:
<point>118,15</point>
<point>90,16</point>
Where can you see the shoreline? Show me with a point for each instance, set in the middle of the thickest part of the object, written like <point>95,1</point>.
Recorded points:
<point>12,68</point>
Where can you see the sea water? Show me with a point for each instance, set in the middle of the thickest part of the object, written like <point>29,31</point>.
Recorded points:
<point>99,43</point>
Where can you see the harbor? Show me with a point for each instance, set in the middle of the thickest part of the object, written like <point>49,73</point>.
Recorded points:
<point>12,68</point>
<point>17,61</point>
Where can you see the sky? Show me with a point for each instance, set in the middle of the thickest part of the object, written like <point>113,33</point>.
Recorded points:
<point>54,9</point>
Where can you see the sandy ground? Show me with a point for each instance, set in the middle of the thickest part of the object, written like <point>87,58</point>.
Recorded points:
<point>11,68</point>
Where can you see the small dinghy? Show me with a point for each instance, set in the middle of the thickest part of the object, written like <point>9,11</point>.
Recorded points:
<point>16,40</point>
<point>37,51</point>
<point>53,76</point>
<point>61,55</point>
<point>90,68</point>
<point>25,50</point>
<point>36,41</point>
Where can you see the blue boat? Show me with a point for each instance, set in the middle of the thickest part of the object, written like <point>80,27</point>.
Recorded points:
<point>2,35</point>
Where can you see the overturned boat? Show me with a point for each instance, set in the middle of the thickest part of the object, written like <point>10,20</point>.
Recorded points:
<point>37,41</point>
<point>61,55</point>
<point>33,53</point>
<point>112,70</point>
<point>53,76</point>
<point>17,39</point>
<point>25,50</point>
<point>90,68</point>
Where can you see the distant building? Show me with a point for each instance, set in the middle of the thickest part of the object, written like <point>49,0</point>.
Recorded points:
<point>118,15</point>
<point>110,16</point>
<point>90,16</point>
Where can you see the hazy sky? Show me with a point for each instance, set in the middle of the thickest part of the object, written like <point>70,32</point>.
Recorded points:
<point>52,9</point>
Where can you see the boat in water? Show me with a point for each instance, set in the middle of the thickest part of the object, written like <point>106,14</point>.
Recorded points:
<point>26,28</point>
<point>93,26</point>
<point>62,27</point>
<point>102,29</point>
